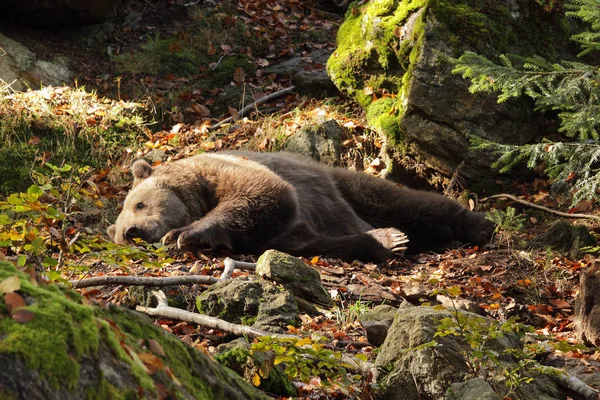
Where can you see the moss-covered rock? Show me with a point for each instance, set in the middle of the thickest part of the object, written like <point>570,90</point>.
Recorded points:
<point>392,57</point>
<point>60,347</point>
<point>256,303</point>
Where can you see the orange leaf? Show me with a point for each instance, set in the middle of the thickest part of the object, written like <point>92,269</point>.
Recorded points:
<point>156,348</point>
<point>34,140</point>
<point>560,303</point>
<point>151,362</point>
<point>14,301</point>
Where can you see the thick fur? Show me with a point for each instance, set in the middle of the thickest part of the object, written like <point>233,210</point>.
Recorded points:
<point>249,202</point>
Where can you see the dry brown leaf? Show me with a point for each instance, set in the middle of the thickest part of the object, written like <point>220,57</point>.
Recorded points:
<point>22,316</point>
<point>14,301</point>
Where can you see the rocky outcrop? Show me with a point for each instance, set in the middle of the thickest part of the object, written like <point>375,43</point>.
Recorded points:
<point>423,365</point>
<point>392,57</point>
<point>20,68</point>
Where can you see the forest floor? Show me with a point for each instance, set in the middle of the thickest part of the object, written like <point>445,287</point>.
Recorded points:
<point>504,279</point>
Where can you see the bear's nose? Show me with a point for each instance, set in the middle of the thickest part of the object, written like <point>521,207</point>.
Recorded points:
<point>133,232</point>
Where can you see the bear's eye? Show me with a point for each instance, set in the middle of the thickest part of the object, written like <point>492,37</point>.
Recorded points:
<point>139,206</point>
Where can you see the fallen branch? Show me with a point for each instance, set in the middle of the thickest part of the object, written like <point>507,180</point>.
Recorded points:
<point>143,281</point>
<point>231,264</point>
<point>164,310</point>
<point>577,389</point>
<point>533,205</point>
<point>256,103</point>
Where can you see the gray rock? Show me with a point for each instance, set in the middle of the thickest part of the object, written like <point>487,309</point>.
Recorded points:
<point>473,389</point>
<point>20,67</point>
<point>377,322</point>
<point>460,304</point>
<point>293,274</point>
<point>321,142</point>
<point>428,372</point>
<point>587,306</point>
<point>566,237</point>
<point>400,73</point>
<point>258,303</point>
<point>314,83</point>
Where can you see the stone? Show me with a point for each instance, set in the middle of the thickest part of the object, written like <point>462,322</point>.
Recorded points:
<point>419,371</point>
<point>20,68</point>
<point>321,142</point>
<point>473,389</point>
<point>587,306</point>
<point>257,303</point>
<point>566,237</point>
<point>293,274</point>
<point>377,322</point>
<point>393,58</point>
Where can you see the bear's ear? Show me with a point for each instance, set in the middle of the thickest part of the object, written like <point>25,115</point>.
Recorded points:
<point>141,169</point>
<point>110,231</point>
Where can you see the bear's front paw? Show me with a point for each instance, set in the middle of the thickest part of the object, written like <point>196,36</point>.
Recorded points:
<point>391,238</point>
<point>194,237</point>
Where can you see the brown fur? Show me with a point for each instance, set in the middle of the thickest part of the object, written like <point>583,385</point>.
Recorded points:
<point>249,202</point>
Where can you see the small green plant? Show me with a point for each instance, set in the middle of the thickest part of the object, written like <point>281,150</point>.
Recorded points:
<point>43,225</point>
<point>303,359</point>
<point>507,220</point>
<point>477,332</point>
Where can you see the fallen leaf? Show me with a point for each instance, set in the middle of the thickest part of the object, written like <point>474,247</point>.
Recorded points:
<point>22,316</point>
<point>156,347</point>
<point>10,284</point>
<point>14,301</point>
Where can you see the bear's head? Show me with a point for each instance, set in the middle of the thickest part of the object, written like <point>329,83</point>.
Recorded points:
<point>151,209</point>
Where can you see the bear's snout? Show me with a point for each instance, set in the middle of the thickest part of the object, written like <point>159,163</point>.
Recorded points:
<point>133,232</point>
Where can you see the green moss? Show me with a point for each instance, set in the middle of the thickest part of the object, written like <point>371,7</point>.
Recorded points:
<point>249,321</point>
<point>383,116</point>
<point>381,42</point>
<point>57,337</point>
<point>223,74</point>
<point>64,333</point>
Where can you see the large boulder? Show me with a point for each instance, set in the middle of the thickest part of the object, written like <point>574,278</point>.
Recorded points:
<point>20,68</point>
<point>392,57</point>
<point>418,368</point>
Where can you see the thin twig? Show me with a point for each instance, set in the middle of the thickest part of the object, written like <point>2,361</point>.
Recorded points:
<point>527,203</point>
<point>164,310</point>
<point>144,281</point>
<point>454,177</point>
<point>255,104</point>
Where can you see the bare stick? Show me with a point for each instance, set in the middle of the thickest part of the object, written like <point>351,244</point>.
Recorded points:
<point>256,103</point>
<point>143,281</point>
<point>454,178</point>
<point>231,264</point>
<point>164,310</point>
<point>576,388</point>
<point>533,205</point>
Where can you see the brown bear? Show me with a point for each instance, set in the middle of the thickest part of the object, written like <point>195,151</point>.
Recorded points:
<point>249,202</point>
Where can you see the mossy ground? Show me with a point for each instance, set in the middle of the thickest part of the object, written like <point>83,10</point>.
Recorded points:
<point>64,332</point>
<point>62,126</point>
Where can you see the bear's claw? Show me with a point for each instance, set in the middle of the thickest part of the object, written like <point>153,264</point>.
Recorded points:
<point>390,238</point>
